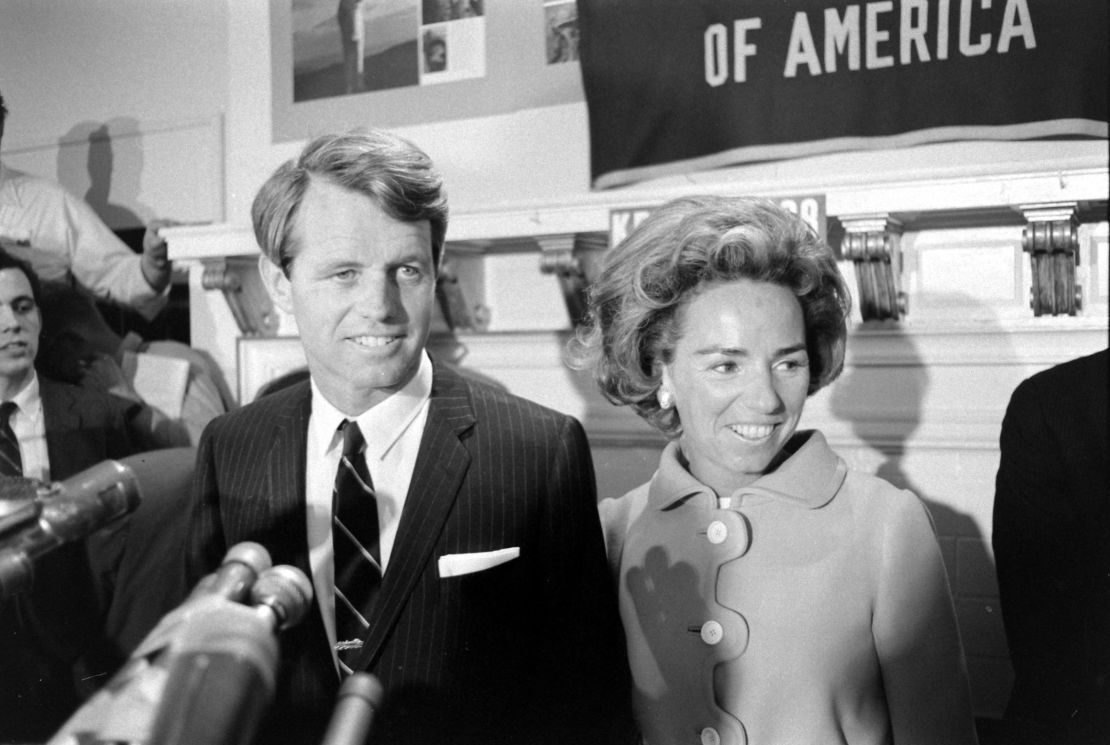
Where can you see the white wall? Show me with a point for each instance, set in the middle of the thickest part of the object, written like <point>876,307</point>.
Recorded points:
<point>153,72</point>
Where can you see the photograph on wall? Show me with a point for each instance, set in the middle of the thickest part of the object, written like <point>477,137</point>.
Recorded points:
<point>561,30</point>
<point>436,11</point>
<point>359,46</point>
<point>453,50</point>
<point>393,63</point>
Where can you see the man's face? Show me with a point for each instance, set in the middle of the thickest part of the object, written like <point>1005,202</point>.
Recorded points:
<point>20,325</point>
<point>362,289</point>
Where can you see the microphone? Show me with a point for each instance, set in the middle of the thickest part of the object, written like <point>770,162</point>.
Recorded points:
<point>286,591</point>
<point>241,567</point>
<point>70,510</point>
<point>222,671</point>
<point>124,709</point>
<point>360,695</point>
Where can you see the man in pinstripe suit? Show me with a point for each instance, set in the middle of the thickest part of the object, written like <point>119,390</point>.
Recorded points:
<point>493,619</point>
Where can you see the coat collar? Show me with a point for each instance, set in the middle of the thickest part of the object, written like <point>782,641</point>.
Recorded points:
<point>809,478</point>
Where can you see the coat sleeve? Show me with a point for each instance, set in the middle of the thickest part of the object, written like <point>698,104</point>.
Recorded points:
<point>205,544</point>
<point>1039,562</point>
<point>584,668</point>
<point>920,653</point>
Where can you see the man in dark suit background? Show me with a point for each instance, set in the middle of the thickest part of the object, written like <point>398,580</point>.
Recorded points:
<point>50,431</point>
<point>1052,547</point>
<point>484,605</point>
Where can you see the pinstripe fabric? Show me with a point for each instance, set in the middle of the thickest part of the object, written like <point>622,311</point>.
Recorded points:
<point>529,651</point>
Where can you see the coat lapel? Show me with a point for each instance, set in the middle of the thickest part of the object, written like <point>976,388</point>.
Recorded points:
<point>440,467</point>
<point>61,419</point>
<point>284,470</point>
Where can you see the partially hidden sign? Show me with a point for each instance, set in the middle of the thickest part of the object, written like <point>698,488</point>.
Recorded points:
<point>810,207</point>
<point>681,85</point>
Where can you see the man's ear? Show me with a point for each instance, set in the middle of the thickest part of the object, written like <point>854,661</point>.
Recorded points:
<point>277,284</point>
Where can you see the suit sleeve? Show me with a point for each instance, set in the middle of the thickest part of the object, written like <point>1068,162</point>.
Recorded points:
<point>1033,547</point>
<point>584,668</point>
<point>204,542</point>
<point>916,636</point>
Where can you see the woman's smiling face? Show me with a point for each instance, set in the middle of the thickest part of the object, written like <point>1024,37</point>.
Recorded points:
<point>739,378</point>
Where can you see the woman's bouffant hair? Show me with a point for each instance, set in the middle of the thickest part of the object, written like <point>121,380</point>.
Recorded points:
<point>397,175</point>
<point>684,245</point>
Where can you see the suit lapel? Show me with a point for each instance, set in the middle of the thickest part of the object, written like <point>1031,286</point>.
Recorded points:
<point>61,419</point>
<point>284,470</point>
<point>441,464</point>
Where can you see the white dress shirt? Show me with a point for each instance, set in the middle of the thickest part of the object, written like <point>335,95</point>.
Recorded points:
<point>393,430</point>
<point>60,235</point>
<point>29,426</point>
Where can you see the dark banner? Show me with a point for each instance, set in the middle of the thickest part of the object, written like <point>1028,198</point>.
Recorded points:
<point>683,85</point>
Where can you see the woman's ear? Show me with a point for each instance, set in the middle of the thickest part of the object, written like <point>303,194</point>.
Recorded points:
<point>277,284</point>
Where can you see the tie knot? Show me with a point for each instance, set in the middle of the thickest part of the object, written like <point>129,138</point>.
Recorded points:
<point>6,410</point>
<point>353,442</point>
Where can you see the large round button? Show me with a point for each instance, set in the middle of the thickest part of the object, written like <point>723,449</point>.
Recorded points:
<point>712,632</point>
<point>710,736</point>
<point>717,532</point>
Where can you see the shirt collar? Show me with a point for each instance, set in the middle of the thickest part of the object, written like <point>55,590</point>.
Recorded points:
<point>809,478</point>
<point>382,425</point>
<point>29,396</point>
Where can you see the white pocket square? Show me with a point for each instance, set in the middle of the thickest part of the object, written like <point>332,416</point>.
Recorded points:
<point>454,565</point>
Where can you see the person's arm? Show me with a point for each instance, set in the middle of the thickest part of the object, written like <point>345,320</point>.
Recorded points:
<point>584,669</point>
<point>918,643</point>
<point>156,259</point>
<point>205,545</point>
<point>1033,547</point>
<point>102,263</point>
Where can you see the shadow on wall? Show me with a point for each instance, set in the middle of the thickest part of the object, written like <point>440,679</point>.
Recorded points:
<point>103,161</point>
<point>886,403</point>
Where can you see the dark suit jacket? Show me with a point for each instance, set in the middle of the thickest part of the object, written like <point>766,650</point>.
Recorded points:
<point>1051,540</point>
<point>43,632</point>
<point>530,651</point>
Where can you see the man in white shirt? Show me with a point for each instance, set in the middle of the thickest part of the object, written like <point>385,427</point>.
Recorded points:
<point>64,240</point>
<point>449,527</point>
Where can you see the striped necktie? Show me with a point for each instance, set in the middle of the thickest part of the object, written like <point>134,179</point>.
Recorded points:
<point>11,464</point>
<point>358,573</point>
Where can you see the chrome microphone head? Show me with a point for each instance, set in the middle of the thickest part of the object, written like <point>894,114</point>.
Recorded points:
<point>287,591</point>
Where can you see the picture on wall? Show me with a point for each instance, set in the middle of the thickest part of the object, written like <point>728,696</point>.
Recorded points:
<point>337,64</point>
<point>359,46</point>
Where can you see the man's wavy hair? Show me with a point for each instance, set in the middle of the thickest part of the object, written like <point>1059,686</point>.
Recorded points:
<point>397,175</point>
<point>683,246</point>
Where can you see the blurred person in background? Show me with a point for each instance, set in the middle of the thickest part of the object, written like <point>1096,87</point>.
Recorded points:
<point>1051,540</point>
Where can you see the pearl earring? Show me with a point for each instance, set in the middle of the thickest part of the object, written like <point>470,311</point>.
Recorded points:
<point>666,400</point>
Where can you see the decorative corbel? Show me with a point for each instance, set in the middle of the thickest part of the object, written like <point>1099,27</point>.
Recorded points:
<point>238,278</point>
<point>873,244</point>
<point>1051,238</point>
<point>459,315</point>
<point>571,259</point>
